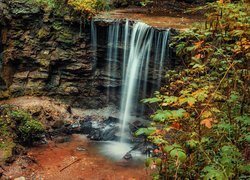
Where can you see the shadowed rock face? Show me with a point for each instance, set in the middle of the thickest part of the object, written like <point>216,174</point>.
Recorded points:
<point>48,54</point>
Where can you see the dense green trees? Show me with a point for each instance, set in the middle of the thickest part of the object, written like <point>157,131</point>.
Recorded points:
<point>202,120</point>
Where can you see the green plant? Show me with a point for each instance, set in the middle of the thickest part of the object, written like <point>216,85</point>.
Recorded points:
<point>16,126</point>
<point>28,129</point>
<point>201,124</point>
<point>146,2</point>
<point>31,130</point>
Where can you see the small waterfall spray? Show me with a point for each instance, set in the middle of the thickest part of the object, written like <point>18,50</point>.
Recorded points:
<point>144,52</point>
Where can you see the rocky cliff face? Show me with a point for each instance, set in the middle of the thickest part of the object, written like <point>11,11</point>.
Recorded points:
<point>46,54</point>
<point>43,53</point>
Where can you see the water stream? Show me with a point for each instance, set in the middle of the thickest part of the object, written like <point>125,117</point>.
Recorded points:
<point>138,52</point>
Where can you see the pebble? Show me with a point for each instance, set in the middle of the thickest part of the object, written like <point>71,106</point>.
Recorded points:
<point>20,178</point>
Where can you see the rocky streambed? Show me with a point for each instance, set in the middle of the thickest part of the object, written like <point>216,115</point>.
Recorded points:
<point>76,159</point>
<point>89,139</point>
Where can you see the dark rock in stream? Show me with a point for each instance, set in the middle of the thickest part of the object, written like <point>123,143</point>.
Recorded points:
<point>86,126</point>
<point>104,134</point>
<point>128,156</point>
<point>111,120</point>
<point>110,133</point>
<point>97,130</point>
<point>95,135</point>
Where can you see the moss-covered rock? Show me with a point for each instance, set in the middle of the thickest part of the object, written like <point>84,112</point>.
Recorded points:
<point>66,37</point>
<point>43,33</point>
<point>23,7</point>
<point>16,126</point>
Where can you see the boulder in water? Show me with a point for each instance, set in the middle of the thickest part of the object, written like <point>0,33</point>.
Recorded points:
<point>128,156</point>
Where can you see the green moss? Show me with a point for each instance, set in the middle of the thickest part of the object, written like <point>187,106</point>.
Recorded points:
<point>16,126</point>
<point>28,129</point>
<point>66,37</point>
<point>6,149</point>
<point>31,130</point>
<point>44,62</point>
<point>57,26</point>
<point>43,33</point>
<point>4,94</point>
<point>6,139</point>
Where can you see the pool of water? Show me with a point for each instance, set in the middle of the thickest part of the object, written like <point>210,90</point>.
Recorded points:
<point>115,151</point>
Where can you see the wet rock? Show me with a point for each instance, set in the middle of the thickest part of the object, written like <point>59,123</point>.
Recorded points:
<point>19,150</point>
<point>111,120</point>
<point>86,126</point>
<point>59,54</point>
<point>95,134</point>
<point>22,75</point>
<point>80,148</point>
<point>38,75</point>
<point>128,156</point>
<point>71,90</point>
<point>58,124</point>
<point>110,133</point>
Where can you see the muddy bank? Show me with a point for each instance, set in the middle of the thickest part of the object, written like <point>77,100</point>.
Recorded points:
<point>166,18</point>
<point>60,146</point>
<point>54,161</point>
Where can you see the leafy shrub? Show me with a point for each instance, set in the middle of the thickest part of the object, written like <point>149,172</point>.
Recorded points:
<point>89,7</point>
<point>201,125</point>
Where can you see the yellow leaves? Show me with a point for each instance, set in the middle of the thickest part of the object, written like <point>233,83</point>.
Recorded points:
<point>164,104</point>
<point>243,44</point>
<point>207,122</point>
<point>198,56</point>
<point>189,100</point>
<point>198,44</point>
<point>206,114</point>
<point>179,82</point>
<point>200,94</point>
<point>87,6</point>
<point>207,119</point>
<point>186,115</point>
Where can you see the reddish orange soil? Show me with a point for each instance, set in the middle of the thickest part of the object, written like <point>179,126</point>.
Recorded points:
<point>53,157</point>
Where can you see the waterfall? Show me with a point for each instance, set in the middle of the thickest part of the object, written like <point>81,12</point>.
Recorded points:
<point>138,52</point>
<point>140,48</point>
<point>112,55</point>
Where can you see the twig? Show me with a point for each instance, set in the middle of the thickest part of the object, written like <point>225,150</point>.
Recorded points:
<point>70,164</point>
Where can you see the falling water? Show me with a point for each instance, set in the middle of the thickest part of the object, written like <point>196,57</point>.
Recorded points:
<point>140,48</point>
<point>112,55</point>
<point>144,53</point>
